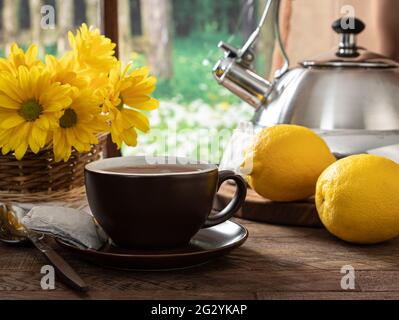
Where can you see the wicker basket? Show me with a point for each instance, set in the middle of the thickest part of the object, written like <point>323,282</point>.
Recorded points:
<point>37,178</point>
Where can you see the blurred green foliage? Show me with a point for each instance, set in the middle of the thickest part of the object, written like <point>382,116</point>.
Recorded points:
<point>193,60</point>
<point>194,16</point>
<point>197,116</point>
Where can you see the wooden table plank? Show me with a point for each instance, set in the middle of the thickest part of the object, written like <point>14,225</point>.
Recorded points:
<point>131,295</point>
<point>347,295</point>
<point>276,262</point>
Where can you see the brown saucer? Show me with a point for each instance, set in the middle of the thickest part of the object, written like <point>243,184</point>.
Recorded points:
<point>207,244</point>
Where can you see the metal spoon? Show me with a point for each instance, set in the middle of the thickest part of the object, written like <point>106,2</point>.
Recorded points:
<point>14,233</point>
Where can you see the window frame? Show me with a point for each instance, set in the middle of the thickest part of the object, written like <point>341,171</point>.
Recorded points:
<point>110,28</point>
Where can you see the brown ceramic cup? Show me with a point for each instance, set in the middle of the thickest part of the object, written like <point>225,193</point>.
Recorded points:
<point>157,210</point>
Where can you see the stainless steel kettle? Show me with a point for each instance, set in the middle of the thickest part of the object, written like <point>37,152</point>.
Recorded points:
<point>350,96</point>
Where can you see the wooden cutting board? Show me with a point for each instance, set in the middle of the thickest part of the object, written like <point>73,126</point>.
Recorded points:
<point>300,213</point>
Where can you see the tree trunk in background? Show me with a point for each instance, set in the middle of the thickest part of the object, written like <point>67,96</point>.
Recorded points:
<point>233,11</point>
<point>92,13</point>
<point>157,29</point>
<point>249,20</point>
<point>10,22</point>
<point>35,21</point>
<point>65,23</point>
<point>125,30</point>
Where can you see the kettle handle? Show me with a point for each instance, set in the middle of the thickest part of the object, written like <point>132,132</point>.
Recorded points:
<point>276,27</point>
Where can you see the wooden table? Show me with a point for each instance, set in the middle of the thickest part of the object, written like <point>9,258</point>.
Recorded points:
<point>276,262</point>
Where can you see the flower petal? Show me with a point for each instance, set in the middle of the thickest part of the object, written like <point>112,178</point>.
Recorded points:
<point>38,135</point>
<point>21,150</point>
<point>11,121</point>
<point>7,102</point>
<point>137,119</point>
<point>142,103</point>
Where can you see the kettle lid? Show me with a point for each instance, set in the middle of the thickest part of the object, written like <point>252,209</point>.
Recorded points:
<point>348,54</point>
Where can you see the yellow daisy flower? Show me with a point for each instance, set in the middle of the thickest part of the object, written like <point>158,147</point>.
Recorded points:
<point>65,71</point>
<point>128,90</point>
<point>30,105</point>
<point>93,51</point>
<point>18,57</point>
<point>78,125</point>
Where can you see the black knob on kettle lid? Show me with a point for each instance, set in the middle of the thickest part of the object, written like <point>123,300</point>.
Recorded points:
<point>348,25</point>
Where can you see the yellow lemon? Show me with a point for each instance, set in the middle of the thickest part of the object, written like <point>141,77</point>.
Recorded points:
<point>358,199</point>
<point>284,162</point>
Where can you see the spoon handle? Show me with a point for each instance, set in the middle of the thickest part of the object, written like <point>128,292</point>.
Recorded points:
<point>64,270</point>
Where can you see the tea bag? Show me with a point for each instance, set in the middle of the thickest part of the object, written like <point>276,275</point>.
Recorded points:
<point>234,154</point>
<point>73,226</point>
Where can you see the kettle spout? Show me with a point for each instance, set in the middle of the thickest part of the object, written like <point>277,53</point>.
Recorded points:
<point>237,76</point>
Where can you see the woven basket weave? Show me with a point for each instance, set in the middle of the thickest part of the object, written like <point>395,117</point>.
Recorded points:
<point>37,178</point>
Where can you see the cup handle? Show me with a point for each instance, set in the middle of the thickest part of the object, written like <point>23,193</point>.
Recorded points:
<point>217,217</point>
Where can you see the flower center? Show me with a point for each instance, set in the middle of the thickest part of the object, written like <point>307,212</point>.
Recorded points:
<point>68,119</point>
<point>30,110</point>
<point>121,105</point>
